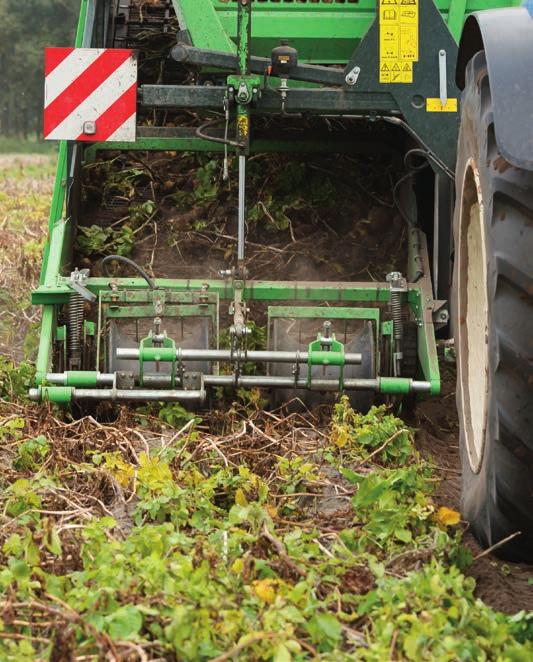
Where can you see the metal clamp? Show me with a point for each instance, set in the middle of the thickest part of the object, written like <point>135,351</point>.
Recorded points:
<point>78,280</point>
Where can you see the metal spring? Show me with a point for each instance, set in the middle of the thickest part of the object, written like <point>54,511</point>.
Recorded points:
<point>76,307</point>
<point>397,316</point>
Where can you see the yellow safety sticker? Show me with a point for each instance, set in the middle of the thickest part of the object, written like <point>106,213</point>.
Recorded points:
<point>243,124</point>
<point>435,106</point>
<point>398,40</point>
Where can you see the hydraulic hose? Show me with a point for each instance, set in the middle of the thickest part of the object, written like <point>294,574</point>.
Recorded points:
<point>130,263</point>
<point>200,133</point>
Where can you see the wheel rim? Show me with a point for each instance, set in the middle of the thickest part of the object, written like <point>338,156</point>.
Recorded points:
<point>473,317</point>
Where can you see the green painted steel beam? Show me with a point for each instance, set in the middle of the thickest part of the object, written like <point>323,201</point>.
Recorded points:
<point>255,290</point>
<point>325,312</point>
<point>140,312</point>
<point>330,145</point>
<point>56,247</point>
<point>48,322</point>
<point>57,207</point>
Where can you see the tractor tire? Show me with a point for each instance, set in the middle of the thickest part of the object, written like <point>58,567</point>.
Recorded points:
<point>493,325</point>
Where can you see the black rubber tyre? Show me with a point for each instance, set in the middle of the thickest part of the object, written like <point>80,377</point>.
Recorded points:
<point>493,326</point>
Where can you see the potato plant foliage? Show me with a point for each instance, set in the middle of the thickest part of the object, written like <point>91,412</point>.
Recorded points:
<point>247,536</point>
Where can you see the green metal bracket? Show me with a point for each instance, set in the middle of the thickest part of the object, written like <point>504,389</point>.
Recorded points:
<point>320,356</point>
<point>244,89</point>
<point>387,328</point>
<point>89,329</point>
<point>164,352</point>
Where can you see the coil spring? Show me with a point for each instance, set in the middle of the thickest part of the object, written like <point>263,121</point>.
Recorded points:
<point>76,307</point>
<point>396,308</point>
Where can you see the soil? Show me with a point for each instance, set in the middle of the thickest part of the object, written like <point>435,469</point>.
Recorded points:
<point>504,586</point>
<point>352,233</point>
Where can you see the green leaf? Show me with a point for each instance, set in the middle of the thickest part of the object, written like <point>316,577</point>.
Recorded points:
<point>20,569</point>
<point>281,654</point>
<point>324,627</point>
<point>404,535</point>
<point>125,623</point>
<point>53,543</point>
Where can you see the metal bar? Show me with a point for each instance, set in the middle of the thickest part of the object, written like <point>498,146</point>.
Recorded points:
<point>324,312</point>
<point>313,100</point>
<point>422,304</point>
<point>213,355</point>
<point>258,381</point>
<point>258,65</point>
<point>137,395</point>
<point>334,291</point>
<point>88,28</point>
<point>443,78</point>
<point>183,139</point>
<point>241,241</point>
<point>45,343</point>
<point>57,207</point>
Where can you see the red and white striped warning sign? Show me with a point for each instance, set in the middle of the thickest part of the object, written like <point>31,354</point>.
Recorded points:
<point>90,94</point>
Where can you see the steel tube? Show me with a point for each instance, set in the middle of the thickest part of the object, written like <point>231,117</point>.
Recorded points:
<point>254,381</point>
<point>61,379</point>
<point>132,354</point>
<point>242,208</point>
<point>138,395</point>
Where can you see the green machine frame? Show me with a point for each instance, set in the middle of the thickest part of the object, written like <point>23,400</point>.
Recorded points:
<point>232,40</point>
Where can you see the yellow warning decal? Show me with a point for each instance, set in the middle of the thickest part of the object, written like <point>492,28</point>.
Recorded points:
<point>435,106</point>
<point>244,125</point>
<point>398,40</point>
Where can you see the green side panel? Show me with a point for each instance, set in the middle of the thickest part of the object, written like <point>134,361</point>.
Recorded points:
<point>56,245</point>
<point>202,22</point>
<point>323,31</point>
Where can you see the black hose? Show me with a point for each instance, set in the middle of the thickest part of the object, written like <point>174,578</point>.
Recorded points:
<point>413,168</point>
<point>205,136</point>
<point>131,263</point>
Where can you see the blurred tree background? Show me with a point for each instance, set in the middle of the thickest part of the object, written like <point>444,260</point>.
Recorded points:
<point>26,28</point>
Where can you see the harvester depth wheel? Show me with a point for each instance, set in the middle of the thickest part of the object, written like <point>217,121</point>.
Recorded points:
<point>493,311</point>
